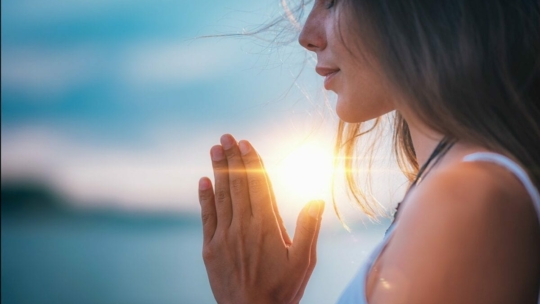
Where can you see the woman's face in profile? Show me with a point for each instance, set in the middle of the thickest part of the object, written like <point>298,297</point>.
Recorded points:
<point>353,75</point>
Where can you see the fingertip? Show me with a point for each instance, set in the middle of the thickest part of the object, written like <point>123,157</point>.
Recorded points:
<point>316,208</point>
<point>225,136</point>
<point>227,141</point>
<point>204,183</point>
<point>217,153</point>
<point>244,146</point>
<point>323,204</point>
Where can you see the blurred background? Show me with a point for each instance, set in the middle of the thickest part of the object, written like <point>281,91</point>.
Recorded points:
<point>109,109</point>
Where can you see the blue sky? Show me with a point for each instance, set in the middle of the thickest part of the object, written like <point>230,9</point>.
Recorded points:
<point>116,102</point>
<point>124,62</point>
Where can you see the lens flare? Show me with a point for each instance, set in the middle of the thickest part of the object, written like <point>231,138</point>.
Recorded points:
<point>306,172</point>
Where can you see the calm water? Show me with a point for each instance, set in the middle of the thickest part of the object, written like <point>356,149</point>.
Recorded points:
<point>94,260</point>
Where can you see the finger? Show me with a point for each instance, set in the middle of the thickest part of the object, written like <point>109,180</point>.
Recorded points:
<point>282,229</point>
<point>312,263</point>
<point>313,255</point>
<point>306,230</point>
<point>238,186</point>
<point>208,209</point>
<point>259,194</point>
<point>222,196</point>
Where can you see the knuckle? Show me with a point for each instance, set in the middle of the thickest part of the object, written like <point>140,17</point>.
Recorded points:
<point>306,228</point>
<point>237,185</point>
<point>207,217</point>
<point>232,153</point>
<point>250,160</point>
<point>256,185</point>
<point>205,195</point>
<point>220,166</point>
<point>222,195</point>
<point>208,254</point>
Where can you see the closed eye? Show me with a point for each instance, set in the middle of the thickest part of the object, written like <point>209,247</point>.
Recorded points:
<point>330,4</point>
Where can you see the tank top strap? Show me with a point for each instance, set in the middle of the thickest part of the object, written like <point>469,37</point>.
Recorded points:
<point>513,167</point>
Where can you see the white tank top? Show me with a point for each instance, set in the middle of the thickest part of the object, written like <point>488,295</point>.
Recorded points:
<point>355,291</point>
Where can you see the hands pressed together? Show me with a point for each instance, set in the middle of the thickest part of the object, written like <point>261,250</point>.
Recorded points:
<point>248,254</point>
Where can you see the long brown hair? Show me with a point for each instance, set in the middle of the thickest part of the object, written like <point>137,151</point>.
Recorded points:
<point>469,69</point>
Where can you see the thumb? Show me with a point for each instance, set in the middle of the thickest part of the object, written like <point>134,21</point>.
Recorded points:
<point>306,230</point>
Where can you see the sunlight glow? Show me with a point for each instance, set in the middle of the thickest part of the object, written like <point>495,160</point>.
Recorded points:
<point>306,172</point>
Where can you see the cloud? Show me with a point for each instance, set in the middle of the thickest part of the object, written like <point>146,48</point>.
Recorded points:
<point>176,63</point>
<point>49,71</point>
<point>30,152</point>
<point>162,177</point>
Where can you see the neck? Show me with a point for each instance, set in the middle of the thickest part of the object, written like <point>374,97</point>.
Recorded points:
<point>424,140</point>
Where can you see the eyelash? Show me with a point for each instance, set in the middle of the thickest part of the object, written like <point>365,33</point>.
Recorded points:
<point>332,3</point>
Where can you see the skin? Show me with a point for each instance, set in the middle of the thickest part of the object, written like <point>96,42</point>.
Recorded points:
<point>468,233</point>
<point>362,90</point>
<point>247,252</point>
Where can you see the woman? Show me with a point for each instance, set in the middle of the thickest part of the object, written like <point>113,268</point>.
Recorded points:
<point>463,78</point>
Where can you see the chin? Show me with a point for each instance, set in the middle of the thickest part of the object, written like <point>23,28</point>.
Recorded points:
<point>351,116</point>
<point>370,111</point>
<point>347,117</point>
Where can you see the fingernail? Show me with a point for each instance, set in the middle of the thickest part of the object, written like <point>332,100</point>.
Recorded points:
<point>227,141</point>
<point>314,209</point>
<point>217,153</point>
<point>204,184</point>
<point>244,147</point>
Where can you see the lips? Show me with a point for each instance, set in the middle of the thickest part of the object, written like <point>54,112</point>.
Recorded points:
<point>328,73</point>
<point>325,71</point>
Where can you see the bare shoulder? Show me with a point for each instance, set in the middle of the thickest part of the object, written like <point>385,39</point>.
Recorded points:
<point>477,191</point>
<point>468,234</point>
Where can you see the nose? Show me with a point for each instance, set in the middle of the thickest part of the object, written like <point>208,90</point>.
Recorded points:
<point>313,36</point>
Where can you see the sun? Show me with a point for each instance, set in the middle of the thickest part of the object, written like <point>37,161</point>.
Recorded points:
<point>306,172</point>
